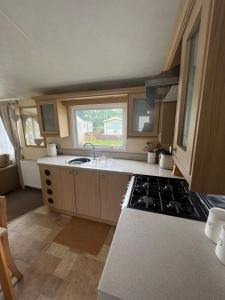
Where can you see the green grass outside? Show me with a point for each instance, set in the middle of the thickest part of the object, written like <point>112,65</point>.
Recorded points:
<point>106,142</point>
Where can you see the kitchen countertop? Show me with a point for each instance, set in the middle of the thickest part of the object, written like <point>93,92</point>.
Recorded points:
<point>114,165</point>
<point>154,256</point>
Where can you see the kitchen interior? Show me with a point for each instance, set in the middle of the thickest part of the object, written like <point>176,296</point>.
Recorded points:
<point>112,165</point>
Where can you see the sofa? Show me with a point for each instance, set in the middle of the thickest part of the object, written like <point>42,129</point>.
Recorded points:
<point>9,179</point>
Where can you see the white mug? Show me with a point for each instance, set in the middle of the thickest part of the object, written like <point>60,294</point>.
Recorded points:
<point>215,221</point>
<point>220,247</point>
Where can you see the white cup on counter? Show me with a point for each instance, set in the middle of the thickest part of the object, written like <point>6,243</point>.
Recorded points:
<point>215,221</point>
<point>220,247</point>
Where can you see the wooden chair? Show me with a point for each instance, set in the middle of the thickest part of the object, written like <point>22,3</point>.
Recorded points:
<point>8,268</point>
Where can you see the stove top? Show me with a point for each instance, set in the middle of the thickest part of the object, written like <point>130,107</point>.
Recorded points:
<point>165,195</point>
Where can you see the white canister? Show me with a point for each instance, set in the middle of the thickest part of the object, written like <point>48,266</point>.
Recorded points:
<point>220,247</point>
<point>151,157</point>
<point>165,161</point>
<point>51,149</point>
<point>215,221</point>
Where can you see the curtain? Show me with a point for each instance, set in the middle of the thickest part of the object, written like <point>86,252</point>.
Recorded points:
<point>9,119</point>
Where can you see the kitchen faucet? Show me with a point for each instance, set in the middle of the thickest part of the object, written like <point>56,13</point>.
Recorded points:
<point>93,151</point>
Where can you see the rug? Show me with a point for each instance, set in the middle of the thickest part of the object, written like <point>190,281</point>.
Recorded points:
<point>85,235</point>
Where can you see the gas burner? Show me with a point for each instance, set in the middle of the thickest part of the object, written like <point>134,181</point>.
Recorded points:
<point>167,187</point>
<point>143,185</point>
<point>146,200</point>
<point>175,205</point>
<point>185,208</point>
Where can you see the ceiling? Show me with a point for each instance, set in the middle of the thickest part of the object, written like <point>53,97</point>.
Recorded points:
<point>54,44</point>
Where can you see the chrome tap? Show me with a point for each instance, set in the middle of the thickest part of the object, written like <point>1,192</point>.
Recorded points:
<point>93,149</point>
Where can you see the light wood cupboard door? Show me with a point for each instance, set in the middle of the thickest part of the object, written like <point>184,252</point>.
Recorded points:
<point>112,188</point>
<point>64,190</point>
<point>167,122</point>
<point>58,188</point>
<point>191,73</point>
<point>53,118</point>
<point>87,193</point>
<point>47,115</point>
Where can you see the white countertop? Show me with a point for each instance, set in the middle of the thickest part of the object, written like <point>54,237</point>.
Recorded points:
<point>114,165</point>
<point>154,256</point>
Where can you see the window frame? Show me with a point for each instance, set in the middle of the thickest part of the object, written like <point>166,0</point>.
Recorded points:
<point>23,128</point>
<point>123,105</point>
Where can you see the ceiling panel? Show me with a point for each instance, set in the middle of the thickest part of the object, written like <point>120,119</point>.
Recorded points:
<point>54,43</point>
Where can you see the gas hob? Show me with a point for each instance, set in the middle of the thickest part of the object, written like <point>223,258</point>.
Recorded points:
<point>166,196</point>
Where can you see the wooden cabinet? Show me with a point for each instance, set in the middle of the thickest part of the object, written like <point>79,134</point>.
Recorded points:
<point>99,194</point>
<point>87,193</point>
<point>53,118</point>
<point>143,121</point>
<point>58,188</point>
<point>199,132</point>
<point>167,122</point>
<point>112,188</point>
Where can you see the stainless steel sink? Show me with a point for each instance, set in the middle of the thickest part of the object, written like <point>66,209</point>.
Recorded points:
<point>79,161</point>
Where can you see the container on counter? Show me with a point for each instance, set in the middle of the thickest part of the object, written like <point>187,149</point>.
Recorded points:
<point>215,221</point>
<point>151,158</point>
<point>165,160</point>
<point>51,149</point>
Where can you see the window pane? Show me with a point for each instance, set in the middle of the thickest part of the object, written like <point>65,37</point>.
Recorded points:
<point>31,127</point>
<point>48,117</point>
<point>102,126</point>
<point>5,144</point>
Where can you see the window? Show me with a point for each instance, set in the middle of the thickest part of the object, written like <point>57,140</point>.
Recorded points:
<point>103,125</point>
<point>31,127</point>
<point>5,144</point>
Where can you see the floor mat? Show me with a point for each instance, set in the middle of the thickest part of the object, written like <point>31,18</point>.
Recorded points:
<point>20,202</point>
<point>85,235</point>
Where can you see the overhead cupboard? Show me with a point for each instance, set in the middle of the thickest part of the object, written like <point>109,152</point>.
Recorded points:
<point>53,118</point>
<point>199,141</point>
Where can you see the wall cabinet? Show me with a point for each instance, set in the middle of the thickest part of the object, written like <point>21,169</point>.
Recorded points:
<point>53,119</point>
<point>58,188</point>
<point>87,193</point>
<point>112,188</point>
<point>143,121</point>
<point>167,122</point>
<point>199,132</point>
